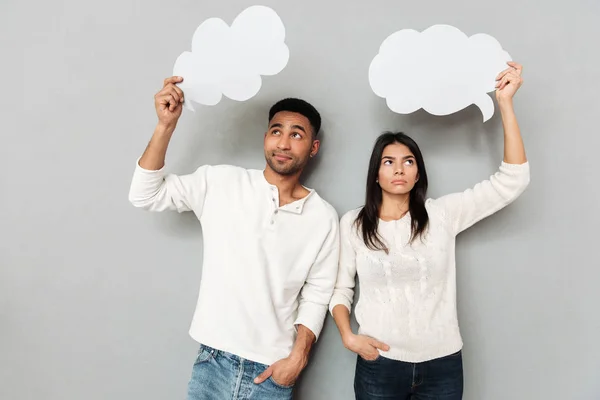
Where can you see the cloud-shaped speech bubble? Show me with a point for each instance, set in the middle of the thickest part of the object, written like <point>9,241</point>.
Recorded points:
<point>441,70</point>
<point>230,60</point>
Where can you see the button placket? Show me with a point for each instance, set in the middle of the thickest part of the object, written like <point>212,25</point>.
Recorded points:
<point>275,203</point>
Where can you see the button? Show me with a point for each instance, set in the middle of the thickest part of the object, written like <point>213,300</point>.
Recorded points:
<point>272,222</point>
<point>273,198</point>
<point>276,211</point>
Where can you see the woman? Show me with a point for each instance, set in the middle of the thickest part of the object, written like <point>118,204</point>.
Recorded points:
<point>402,248</point>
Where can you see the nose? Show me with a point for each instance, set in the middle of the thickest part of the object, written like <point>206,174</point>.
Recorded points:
<point>283,143</point>
<point>399,170</point>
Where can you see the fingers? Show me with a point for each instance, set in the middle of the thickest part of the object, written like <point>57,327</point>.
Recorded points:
<point>518,67</point>
<point>172,102</point>
<point>503,73</point>
<point>163,102</point>
<point>503,82</point>
<point>172,90</point>
<point>510,78</point>
<point>370,356</point>
<point>172,80</point>
<point>264,376</point>
<point>379,345</point>
<point>179,92</point>
<point>170,97</point>
<point>500,85</point>
<point>514,67</point>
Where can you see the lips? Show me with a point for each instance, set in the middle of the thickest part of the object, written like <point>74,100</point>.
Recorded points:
<point>281,157</point>
<point>399,182</point>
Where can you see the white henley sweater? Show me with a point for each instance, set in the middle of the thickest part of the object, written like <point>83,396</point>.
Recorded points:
<point>408,298</point>
<point>266,267</point>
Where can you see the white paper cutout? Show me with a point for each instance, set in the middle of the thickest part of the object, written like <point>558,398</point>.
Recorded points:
<point>441,70</point>
<point>230,60</point>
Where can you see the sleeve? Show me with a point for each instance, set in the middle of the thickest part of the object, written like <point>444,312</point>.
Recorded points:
<point>485,198</point>
<point>153,190</point>
<point>318,287</point>
<point>343,292</point>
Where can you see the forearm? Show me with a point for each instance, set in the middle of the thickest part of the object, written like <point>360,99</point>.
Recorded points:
<point>341,316</point>
<point>303,344</point>
<point>514,149</point>
<point>154,156</point>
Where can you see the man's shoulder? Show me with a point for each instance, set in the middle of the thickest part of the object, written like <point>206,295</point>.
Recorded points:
<point>325,207</point>
<point>226,171</point>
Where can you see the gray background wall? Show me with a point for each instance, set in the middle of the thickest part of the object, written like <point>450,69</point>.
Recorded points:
<point>96,297</point>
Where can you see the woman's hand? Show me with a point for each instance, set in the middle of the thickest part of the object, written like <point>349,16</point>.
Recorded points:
<point>509,81</point>
<point>364,346</point>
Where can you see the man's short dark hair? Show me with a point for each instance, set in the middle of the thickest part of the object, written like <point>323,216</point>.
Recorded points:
<point>301,107</point>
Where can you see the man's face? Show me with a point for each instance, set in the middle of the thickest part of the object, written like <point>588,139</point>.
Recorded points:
<point>289,143</point>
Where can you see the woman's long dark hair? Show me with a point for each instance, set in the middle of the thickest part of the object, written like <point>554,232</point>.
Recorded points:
<point>368,217</point>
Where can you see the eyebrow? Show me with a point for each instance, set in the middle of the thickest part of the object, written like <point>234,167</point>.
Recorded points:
<point>278,125</point>
<point>299,127</point>
<point>393,158</point>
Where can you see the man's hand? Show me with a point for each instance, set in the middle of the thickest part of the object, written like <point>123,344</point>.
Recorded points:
<point>284,372</point>
<point>169,102</point>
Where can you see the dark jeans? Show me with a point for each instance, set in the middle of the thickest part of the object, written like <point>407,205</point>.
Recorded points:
<point>439,379</point>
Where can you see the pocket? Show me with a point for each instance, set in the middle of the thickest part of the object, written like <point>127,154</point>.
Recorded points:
<point>205,354</point>
<point>369,361</point>
<point>279,385</point>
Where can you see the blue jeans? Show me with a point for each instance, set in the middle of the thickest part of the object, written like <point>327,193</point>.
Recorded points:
<point>218,375</point>
<point>439,379</point>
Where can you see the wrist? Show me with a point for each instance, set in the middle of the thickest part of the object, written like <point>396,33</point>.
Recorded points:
<point>299,358</point>
<point>165,129</point>
<point>505,104</point>
<point>347,337</point>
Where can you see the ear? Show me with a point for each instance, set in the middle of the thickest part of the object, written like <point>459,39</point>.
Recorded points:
<point>417,178</point>
<point>316,144</point>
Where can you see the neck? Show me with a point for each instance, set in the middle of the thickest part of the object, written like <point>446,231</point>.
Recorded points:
<point>286,184</point>
<point>394,206</point>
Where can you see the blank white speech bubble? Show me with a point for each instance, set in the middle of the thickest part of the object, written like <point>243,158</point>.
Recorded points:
<point>230,60</point>
<point>441,70</point>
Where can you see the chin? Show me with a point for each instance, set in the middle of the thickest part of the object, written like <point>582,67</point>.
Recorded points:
<point>283,169</point>
<point>398,191</point>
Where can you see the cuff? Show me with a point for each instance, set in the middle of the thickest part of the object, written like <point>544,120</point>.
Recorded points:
<point>138,168</point>
<point>338,299</point>
<point>312,316</point>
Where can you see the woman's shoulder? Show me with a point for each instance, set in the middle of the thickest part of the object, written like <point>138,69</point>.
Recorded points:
<point>350,215</point>
<point>435,209</point>
<point>432,203</point>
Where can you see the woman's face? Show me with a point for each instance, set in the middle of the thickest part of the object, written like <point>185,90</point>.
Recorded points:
<point>398,170</point>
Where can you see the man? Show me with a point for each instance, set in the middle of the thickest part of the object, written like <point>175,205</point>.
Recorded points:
<point>270,253</point>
